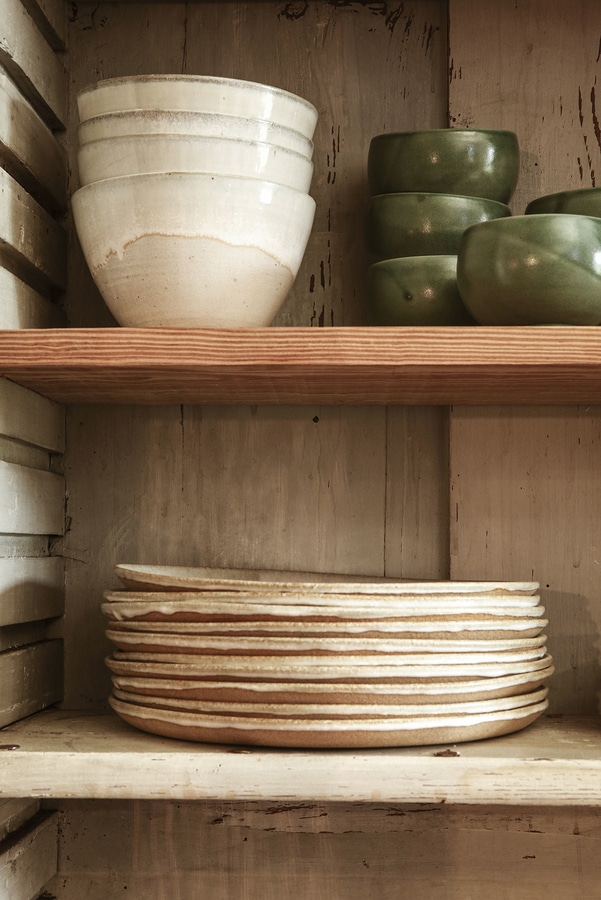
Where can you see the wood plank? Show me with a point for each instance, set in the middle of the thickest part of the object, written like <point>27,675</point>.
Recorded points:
<point>261,851</point>
<point>29,862</point>
<point>14,813</point>
<point>51,18</point>
<point>14,636</point>
<point>31,678</point>
<point>31,500</point>
<point>30,418</point>
<point>533,68</point>
<point>345,366</point>
<point>526,499</point>
<point>29,150</point>
<point>30,589</point>
<point>22,306</point>
<point>32,63</point>
<point>30,235</point>
<point>555,762</point>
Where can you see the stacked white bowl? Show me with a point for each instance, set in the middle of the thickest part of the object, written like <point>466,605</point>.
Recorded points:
<point>193,207</point>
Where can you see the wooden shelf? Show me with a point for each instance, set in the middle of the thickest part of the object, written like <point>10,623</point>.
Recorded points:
<point>555,762</point>
<point>343,366</point>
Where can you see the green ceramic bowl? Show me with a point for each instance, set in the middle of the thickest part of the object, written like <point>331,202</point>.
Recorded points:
<point>581,202</point>
<point>415,290</point>
<point>419,224</point>
<point>532,270</point>
<point>472,162</point>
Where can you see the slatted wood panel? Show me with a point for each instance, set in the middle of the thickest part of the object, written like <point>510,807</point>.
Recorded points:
<point>14,813</point>
<point>30,861</point>
<point>32,63</point>
<point>51,18</point>
<point>31,500</point>
<point>21,306</point>
<point>30,589</point>
<point>29,418</point>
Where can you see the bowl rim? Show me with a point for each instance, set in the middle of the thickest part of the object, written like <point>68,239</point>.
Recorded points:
<point>387,135</point>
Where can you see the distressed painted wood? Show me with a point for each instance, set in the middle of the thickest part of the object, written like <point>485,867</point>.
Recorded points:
<point>30,418</point>
<point>14,813</point>
<point>51,18</point>
<point>21,306</point>
<point>31,678</point>
<point>311,49</point>
<point>524,495</point>
<point>31,500</point>
<point>29,149</point>
<point>555,762</point>
<point>531,67</point>
<point>337,366</point>
<point>32,63</point>
<point>27,864</point>
<point>30,589</point>
<point>30,235</point>
<point>235,850</point>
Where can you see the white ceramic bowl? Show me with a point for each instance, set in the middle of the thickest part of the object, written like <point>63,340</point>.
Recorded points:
<point>192,250</point>
<point>198,92</point>
<point>146,153</point>
<point>181,121</point>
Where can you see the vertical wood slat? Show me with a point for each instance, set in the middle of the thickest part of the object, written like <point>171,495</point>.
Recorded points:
<point>30,235</point>
<point>30,589</point>
<point>28,863</point>
<point>29,150</point>
<point>32,63</point>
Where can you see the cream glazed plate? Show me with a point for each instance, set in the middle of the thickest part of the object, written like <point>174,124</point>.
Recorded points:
<point>333,710</point>
<point>204,578</point>
<point>307,668</point>
<point>408,692</point>
<point>389,731</point>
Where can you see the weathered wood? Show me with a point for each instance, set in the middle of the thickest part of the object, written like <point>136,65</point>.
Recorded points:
<point>14,813</point>
<point>29,861</point>
<point>31,678</point>
<point>31,500</point>
<point>31,236</point>
<point>32,63</point>
<point>30,418</point>
<point>29,149</point>
<point>346,366</point>
<point>51,18</point>
<point>555,762</point>
<point>21,306</point>
<point>30,589</point>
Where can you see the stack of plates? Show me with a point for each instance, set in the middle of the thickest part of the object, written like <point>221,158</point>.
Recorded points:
<point>232,656</point>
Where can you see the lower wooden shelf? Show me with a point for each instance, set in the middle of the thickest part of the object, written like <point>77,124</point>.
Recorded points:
<point>66,754</point>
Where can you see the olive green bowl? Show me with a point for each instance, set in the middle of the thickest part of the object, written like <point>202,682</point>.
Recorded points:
<point>472,162</point>
<point>415,290</point>
<point>581,202</point>
<point>418,224</point>
<point>532,270</point>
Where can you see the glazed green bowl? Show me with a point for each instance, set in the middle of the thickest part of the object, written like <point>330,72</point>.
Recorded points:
<point>472,162</point>
<point>581,202</point>
<point>532,270</point>
<point>417,224</point>
<point>415,290</point>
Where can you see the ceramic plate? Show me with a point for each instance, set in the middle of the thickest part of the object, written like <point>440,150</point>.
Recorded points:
<point>464,628</point>
<point>333,710</point>
<point>423,691</point>
<point>306,668</point>
<point>391,731</point>
<point>202,578</point>
<point>416,651</point>
<point>213,605</point>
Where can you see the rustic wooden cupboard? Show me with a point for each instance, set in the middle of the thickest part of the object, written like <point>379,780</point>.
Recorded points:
<point>316,444</point>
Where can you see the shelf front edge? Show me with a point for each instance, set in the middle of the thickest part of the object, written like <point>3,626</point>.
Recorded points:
<point>342,366</point>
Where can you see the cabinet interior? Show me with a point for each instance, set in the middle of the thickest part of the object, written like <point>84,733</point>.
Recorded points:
<point>457,489</point>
